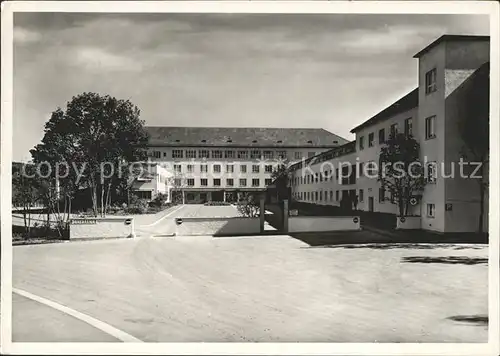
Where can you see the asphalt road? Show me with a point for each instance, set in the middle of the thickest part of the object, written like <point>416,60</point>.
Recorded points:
<point>270,289</point>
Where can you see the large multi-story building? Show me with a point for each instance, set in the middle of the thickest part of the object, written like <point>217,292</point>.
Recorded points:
<point>216,163</point>
<point>453,72</point>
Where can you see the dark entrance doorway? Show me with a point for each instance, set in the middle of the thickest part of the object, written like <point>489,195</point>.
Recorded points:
<point>370,204</point>
<point>218,195</point>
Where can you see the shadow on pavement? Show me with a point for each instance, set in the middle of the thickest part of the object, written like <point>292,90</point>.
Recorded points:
<point>446,260</point>
<point>478,320</point>
<point>373,239</point>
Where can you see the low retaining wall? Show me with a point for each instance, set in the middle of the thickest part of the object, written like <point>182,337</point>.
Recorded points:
<point>409,223</point>
<point>218,226</point>
<point>99,228</point>
<point>323,223</point>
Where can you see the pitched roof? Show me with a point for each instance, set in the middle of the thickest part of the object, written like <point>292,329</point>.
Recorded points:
<point>451,38</point>
<point>407,102</point>
<point>242,136</point>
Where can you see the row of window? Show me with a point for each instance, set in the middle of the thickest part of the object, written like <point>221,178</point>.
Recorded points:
<point>325,196</point>
<point>230,154</point>
<point>216,182</point>
<point>371,171</point>
<point>430,132</point>
<point>217,168</point>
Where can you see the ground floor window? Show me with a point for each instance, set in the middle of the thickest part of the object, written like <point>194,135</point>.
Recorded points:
<point>431,210</point>
<point>143,194</point>
<point>337,195</point>
<point>361,195</point>
<point>381,194</point>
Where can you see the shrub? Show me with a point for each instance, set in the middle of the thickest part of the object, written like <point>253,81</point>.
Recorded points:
<point>249,206</point>
<point>139,206</point>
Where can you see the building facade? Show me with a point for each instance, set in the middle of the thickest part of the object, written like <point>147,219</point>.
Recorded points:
<point>218,164</point>
<point>453,76</point>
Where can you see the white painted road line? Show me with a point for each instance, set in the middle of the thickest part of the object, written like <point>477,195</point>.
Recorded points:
<point>108,329</point>
<point>163,217</point>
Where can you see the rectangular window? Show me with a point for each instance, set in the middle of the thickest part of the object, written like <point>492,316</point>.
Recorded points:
<point>320,195</point>
<point>204,182</point>
<point>216,182</point>
<point>311,154</point>
<point>430,127</point>
<point>204,168</point>
<point>190,182</point>
<point>243,154</point>
<point>216,168</point>
<point>371,138</point>
<point>268,181</point>
<point>321,176</point>
<point>282,154</point>
<point>297,155</point>
<point>430,81</point>
<point>156,154</point>
<point>190,168</point>
<point>190,153</point>
<point>431,172</point>
<point>361,143</point>
<point>268,154</point>
<point>431,210</point>
<point>254,154</point>
<point>361,195</point>
<point>408,127</point>
<point>268,168</point>
<point>381,194</point>
<point>381,136</point>
<point>216,154</point>
<point>177,182</point>
<point>177,153</point>
<point>255,168</point>
<point>255,182</point>
<point>164,154</point>
<point>331,195</point>
<point>243,168</point>
<point>316,196</point>
<point>229,154</point>
<point>316,177</point>
<point>243,182</point>
<point>229,168</point>
<point>204,153</point>
<point>394,130</point>
<point>177,168</point>
<point>229,182</point>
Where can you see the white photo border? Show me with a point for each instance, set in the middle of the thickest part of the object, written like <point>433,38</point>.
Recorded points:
<point>490,8</point>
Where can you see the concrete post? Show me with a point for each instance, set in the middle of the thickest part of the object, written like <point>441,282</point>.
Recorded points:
<point>285,215</point>
<point>262,211</point>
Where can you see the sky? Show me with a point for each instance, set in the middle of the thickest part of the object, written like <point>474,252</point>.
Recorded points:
<point>326,71</point>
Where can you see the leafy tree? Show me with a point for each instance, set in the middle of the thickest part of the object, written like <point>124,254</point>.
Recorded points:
<point>280,177</point>
<point>24,191</point>
<point>97,137</point>
<point>400,170</point>
<point>248,205</point>
<point>474,128</point>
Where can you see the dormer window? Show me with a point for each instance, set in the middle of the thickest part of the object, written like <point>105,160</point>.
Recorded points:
<point>177,140</point>
<point>203,140</point>
<point>310,141</point>
<point>335,141</point>
<point>254,141</point>
<point>229,140</point>
<point>279,141</point>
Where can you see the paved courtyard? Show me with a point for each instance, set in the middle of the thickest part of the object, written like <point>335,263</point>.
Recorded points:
<point>273,288</point>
